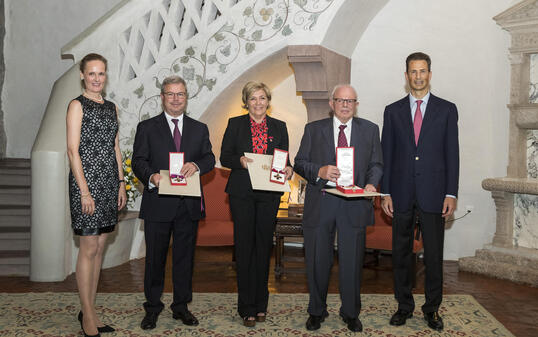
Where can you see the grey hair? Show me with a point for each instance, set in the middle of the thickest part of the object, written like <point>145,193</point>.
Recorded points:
<point>342,85</point>
<point>174,79</point>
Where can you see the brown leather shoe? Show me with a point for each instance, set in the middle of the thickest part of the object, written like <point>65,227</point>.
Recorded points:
<point>260,317</point>
<point>249,321</point>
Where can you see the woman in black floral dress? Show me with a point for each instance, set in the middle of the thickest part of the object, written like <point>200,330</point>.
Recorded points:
<point>253,212</point>
<point>96,185</point>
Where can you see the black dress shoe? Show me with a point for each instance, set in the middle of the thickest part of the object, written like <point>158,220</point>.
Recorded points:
<point>353,324</point>
<point>101,329</point>
<point>435,321</point>
<point>149,321</point>
<point>106,328</point>
<point>186,317</point>
<point>400,317</point>
<point>84,332</point>
<point>314,322</point>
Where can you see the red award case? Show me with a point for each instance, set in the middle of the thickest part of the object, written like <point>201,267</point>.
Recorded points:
<point>278,175</point>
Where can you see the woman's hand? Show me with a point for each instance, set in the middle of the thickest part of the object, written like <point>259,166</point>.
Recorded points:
<point>87,203</point>
<point>244,161</point>
<point>122,196</point>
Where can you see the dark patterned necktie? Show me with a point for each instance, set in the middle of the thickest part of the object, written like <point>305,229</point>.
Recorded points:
<point>342,141</point>
<point>177,135</point>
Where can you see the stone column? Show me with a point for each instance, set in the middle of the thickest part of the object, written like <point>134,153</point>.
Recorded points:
<point>505,257</point>
<point>504,202</point>
<point>317,71</point>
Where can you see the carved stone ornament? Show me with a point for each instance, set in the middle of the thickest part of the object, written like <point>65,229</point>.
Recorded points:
<point>516,58</point>
<point>521,15</point>
<point>512,185</point>
<point>525,41</point>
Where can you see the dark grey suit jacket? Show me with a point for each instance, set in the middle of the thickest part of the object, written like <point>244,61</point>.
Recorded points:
<point>318,149</point>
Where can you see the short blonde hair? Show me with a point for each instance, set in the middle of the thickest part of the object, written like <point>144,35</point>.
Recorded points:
<point>252,87</point>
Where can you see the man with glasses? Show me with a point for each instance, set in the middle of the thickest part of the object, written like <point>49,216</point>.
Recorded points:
<point>325,214</point>
<point>165,216</point>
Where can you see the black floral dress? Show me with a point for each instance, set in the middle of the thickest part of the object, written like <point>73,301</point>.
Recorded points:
<point>96,149</point>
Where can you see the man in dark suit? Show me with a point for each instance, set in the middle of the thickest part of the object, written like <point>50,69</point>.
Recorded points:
<point>165,216</point>
<point>324,213</point>
<point>420,180</point>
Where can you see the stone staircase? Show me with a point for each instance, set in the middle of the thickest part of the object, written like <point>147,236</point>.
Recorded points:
<point>15,200</point>
<point>517,265</point>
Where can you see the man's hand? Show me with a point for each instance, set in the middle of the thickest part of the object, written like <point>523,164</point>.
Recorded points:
<point>244,161</point>
<point>329,172</point>
<point>289,172</point>
<point>449,206</point>
<point>370,188</point>
<point>188,169</point>
<point>155,179</point>
<point>386,205</point>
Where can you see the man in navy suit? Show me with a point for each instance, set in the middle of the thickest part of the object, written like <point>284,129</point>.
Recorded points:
<point>324,213</point>
<point>165,215</point>
<point>420,180</point>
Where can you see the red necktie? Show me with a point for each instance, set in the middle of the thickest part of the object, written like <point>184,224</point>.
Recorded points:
<point>342,141</point>
<point>177,135</point>
<point>417,124</point>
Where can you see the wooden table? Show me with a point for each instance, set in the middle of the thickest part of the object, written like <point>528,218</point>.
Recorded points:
<point>286,226</point>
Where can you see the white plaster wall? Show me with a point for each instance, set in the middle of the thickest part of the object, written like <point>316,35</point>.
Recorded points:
<point>470,68</point>
<point>35,33</point>
<point>287,105</point>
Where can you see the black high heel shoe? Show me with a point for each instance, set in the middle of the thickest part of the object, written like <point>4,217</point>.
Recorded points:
<point>103,329</point>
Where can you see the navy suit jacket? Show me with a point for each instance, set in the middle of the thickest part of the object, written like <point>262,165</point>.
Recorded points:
<point>426,172</point>
<point>237,140</point>
<point>152,145</point>
<point>318,149</point>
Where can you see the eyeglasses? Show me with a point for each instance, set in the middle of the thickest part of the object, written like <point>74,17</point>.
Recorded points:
<point>175,94</point>
<point>345,100</point>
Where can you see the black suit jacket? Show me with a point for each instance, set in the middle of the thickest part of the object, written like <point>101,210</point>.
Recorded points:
<point>318,149</point>
<point>426,172</point>
<point>153,143</point>
<point>238,140</point>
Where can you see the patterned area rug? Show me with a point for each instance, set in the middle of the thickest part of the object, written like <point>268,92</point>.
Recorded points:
<point>54,314</point>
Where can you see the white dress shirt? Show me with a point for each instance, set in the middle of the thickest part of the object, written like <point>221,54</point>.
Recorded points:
<point>172,126</point>
<point>336,131</point>
<point>413,104</point>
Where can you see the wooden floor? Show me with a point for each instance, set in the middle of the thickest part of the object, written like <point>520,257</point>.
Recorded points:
<point>514,305</point>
